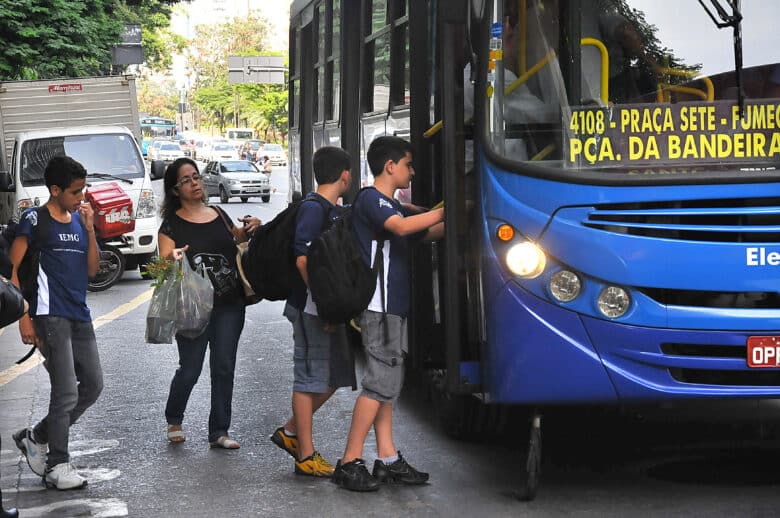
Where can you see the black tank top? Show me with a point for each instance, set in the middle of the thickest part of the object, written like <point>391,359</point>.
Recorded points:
<point>213,246</point>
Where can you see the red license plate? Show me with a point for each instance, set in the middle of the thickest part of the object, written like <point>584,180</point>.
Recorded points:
<point>763,352</point>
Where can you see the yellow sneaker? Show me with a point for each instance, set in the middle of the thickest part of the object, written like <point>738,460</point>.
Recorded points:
<point>314,466</point>
<point>288,443</point>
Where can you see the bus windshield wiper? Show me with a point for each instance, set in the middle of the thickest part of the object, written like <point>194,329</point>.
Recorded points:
<point>107,175</point>
<point>731,20</point>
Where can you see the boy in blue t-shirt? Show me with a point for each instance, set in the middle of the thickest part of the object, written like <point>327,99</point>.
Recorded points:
<point>59,323</point>
<point>379,218</point>
<point>322,359</point>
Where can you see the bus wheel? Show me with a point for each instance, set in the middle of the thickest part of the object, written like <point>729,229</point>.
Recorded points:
<point>533,465</point>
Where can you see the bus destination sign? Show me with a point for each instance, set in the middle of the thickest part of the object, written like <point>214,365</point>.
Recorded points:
<point>683,133</point>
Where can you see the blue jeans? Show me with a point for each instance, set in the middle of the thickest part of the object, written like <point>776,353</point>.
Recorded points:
<point>71,357</point>
<point>221,336</point>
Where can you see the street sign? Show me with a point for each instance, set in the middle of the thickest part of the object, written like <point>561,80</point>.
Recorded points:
<point>130,51</point>
<point>256,69</point>
<point>131,33</point>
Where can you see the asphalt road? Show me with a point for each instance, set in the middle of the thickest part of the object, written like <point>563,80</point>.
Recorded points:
<point>596,463</point>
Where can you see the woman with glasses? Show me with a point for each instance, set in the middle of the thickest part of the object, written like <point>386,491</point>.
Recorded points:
<point>193,229</point>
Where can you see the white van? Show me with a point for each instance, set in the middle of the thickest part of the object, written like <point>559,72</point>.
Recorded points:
<point>109,153</point>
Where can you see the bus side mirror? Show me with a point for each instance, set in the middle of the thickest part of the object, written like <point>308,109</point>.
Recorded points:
<point>157,170</point>
<point>6,182</point>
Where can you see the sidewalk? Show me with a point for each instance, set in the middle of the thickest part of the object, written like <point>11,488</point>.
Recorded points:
<point>19,394</point>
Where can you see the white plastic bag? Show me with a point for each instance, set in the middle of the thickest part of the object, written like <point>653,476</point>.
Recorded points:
<point>195,301</point>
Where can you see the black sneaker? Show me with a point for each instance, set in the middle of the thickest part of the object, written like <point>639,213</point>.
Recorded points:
<point>399,472</point>
<point>354,476</point>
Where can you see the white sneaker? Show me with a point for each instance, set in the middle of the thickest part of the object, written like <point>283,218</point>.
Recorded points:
<point>64,476</point>
<point>34,452</point>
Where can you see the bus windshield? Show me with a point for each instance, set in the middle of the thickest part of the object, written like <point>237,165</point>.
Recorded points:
<point>152,128</point>
<point>651,85</point>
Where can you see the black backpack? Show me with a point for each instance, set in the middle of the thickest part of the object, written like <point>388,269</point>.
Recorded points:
<point>340,281</point>
<point>28,267</point>
<point>269,260</point>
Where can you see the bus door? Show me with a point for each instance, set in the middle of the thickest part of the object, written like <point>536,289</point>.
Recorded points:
<point>445,326</point>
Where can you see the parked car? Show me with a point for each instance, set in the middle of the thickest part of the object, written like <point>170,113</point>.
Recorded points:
<point>249,149</point>
<point>275,152</point>
<point>223,152</point>
<point>236,178</point>
<point>169,151</point>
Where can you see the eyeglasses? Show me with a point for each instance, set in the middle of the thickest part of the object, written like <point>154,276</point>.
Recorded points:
<point>189,179</point>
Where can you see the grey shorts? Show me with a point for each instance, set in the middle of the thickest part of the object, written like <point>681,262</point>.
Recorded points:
<point>384,371</point>
<point>321,360</point>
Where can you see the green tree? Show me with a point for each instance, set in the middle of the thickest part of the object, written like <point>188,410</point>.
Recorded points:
<point>157,99</point>
<point>263,107</point>
<point>56,38</point>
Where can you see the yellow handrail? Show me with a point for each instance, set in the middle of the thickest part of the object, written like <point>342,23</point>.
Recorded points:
<point>433,130</point>
<point>520,81</point>
<point>541,155</point>
<point>684,89</point>
<point>709,95</point>
<point>604,66</point>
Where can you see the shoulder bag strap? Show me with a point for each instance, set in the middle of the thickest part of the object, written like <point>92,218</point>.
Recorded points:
<point>225,221</point>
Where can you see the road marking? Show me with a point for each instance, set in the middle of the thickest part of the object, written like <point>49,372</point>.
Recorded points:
<point>14,372</point>
<point>95,507</point>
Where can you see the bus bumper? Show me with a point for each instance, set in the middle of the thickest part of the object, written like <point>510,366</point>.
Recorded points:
<point>539,353</point>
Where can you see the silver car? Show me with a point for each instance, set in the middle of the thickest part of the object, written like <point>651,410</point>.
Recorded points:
<point>236,178</point>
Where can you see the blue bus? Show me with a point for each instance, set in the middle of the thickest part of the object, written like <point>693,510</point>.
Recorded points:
<point>610,175</point>
<point>155,128</point>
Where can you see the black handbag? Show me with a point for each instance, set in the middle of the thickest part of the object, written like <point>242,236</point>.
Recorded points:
<point>12,303</point>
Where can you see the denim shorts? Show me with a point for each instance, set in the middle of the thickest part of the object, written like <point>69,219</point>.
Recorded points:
<point>321,359</point>
<point>385,341</point>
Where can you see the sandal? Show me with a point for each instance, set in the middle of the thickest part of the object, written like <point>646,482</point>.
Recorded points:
<point>226,443</point>
<point>175,433</point>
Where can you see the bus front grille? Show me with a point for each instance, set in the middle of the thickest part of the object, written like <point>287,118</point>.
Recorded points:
<point>714,299</point>
<point>754,220</point>
<point>756,377</point>
<point>704,351</point>
<point>731,377</point>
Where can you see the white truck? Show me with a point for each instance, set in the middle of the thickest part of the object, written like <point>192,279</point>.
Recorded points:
<point>237,136</point>
<point>95,121</point>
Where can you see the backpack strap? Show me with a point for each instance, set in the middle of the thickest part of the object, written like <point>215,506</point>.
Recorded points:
<point>34,246</point>
<point>40,230</point>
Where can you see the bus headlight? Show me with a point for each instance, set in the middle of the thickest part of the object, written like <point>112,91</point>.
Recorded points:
<point>565,286</point>
<point>526,260</point>
<point>613,302</point>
